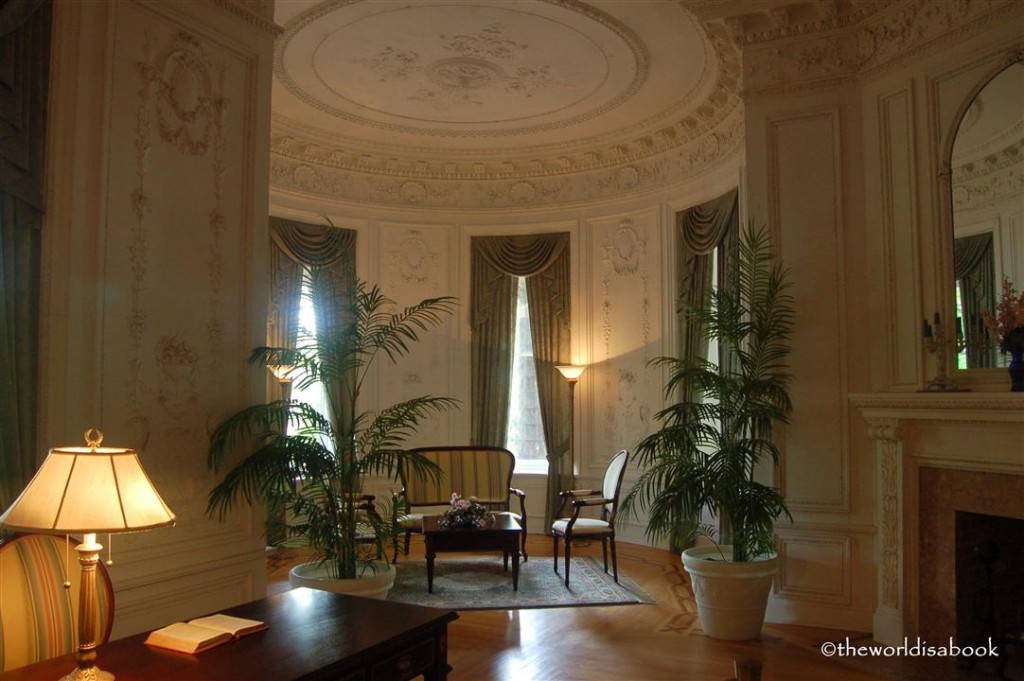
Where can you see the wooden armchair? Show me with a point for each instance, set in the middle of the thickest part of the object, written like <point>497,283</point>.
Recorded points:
<point>603,528</point>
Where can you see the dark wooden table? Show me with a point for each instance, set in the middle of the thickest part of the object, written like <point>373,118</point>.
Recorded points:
<point>310,635</point>
<point>504,535</point>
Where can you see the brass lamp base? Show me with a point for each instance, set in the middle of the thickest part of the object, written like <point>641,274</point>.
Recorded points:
<point>88,674</point>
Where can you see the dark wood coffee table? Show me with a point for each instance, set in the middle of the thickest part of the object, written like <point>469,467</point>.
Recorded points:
<point>504,535</point>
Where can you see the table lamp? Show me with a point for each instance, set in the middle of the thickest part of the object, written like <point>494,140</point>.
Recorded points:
<point>88,490</point>
<point>572,373</point>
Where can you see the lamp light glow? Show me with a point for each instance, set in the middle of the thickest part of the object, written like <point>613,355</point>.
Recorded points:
<point>571,372</point>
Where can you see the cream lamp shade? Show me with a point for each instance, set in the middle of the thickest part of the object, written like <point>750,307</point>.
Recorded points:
<point>572,372</point>
<point>89,490</point>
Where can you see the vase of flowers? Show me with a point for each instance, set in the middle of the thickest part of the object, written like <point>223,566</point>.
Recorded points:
<point>466,513</point>
<point>1007,326</point>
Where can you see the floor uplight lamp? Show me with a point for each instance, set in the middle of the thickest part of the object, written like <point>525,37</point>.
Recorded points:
<point>572,373</point>
<point>88,490</point>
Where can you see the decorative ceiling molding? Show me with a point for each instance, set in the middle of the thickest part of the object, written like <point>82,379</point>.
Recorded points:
<point>495,192</point>
<point>869,39</point>
<point>392,143</point>
<point>479,115</point>
<point>475,62</point>
<point>259,13</point>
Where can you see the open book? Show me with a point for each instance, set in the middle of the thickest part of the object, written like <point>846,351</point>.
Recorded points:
<point>202,633</point>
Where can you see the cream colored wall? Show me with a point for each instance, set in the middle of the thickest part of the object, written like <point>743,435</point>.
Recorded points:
<point>843,130</point>
<point>154,280</point>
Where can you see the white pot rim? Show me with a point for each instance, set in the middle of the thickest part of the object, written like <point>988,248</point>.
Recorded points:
<point>707,560</point>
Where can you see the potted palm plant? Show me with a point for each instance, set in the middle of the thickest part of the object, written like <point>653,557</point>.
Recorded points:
<point>308,465</point>
<point>714,436</point>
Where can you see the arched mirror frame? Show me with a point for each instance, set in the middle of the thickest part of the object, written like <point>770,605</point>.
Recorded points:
<point>947,280</point>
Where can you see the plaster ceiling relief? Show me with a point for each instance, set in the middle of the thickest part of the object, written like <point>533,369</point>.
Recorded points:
<point>412,100</point>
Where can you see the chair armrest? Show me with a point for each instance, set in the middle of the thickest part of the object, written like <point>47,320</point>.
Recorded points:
<point>590,501</point>
<point>578,493</point>
<point>522,503</point>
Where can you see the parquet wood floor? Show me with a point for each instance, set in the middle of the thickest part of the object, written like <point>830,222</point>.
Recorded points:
<point>645,642</point>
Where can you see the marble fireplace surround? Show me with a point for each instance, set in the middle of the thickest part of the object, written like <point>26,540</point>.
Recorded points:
<point>976,433</point>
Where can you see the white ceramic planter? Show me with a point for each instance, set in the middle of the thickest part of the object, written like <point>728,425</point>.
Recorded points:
<point>371,584</point>
<point>731,597</point>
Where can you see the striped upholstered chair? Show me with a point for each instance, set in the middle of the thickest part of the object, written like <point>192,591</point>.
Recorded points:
<point>38,615</point>
<point>469,471</point>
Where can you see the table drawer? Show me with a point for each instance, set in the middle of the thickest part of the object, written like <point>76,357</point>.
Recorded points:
<point>405,665</point>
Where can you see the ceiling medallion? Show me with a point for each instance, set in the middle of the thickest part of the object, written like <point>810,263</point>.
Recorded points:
<point>341,59</point>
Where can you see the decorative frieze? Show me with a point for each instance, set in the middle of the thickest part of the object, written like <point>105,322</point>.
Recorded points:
<point>871,38</point>
<point>327,174</point>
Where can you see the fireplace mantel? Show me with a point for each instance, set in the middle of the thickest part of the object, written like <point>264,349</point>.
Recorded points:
<point>969,431</point>
<point>941,406</point>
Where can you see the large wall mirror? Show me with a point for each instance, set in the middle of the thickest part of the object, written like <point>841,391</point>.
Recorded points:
<point>987,172</point>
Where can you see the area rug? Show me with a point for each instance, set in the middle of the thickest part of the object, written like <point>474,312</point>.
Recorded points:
<point>479,583</point>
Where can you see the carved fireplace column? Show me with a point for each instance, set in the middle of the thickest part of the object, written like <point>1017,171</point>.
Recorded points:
<point>888,618</point>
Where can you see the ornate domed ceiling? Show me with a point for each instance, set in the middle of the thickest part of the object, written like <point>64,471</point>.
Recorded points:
<point>497,103</point>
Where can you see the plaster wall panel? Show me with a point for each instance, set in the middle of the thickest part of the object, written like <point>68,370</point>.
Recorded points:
<point>174,291</point>
<point>815,568</point>
<point>625,333</point>
<point>899,211</point>
<point>415,263</point>
<point>804,163</point>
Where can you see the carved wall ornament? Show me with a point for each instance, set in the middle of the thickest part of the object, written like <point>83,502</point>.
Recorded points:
<point>891,522</point>
<point>186,107</point>
<point>414,261</point>
<point>625,249</point>
<point>522,192</point>
<point>138,247</point>
<point>177,388</point>
<point>412,192</point>
<point>180,101</point>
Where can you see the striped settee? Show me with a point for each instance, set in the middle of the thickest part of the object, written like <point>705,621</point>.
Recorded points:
<point>469,471</point>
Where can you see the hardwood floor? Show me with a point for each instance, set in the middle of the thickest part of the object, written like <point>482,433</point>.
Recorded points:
<point>646,642</point>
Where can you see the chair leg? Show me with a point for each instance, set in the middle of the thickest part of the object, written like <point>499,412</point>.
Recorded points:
<point>615,564</point>
<point>554,550</point>
<point>408,534</point>
<point>568,552</point>
<point>604,553</point>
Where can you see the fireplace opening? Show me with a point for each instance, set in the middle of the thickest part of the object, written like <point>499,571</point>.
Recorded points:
<point>990,585</point>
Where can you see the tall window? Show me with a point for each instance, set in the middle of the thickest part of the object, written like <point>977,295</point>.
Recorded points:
<point>312,395</point>
<point>525,434</point>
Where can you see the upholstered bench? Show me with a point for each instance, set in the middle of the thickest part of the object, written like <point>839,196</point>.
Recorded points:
<point>481,472</point>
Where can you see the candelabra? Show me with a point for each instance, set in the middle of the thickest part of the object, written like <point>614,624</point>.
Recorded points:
<point>937,340</point>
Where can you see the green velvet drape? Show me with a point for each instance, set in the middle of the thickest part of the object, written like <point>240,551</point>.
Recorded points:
<point>496,261</point>
<point>24,77</point>
<point>298,248</point>
<point>699,231</point>
<point>974,271</point>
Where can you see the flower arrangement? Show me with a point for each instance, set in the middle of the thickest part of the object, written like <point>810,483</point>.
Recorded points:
<point>1007,325</point>
<point>466,513</point>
